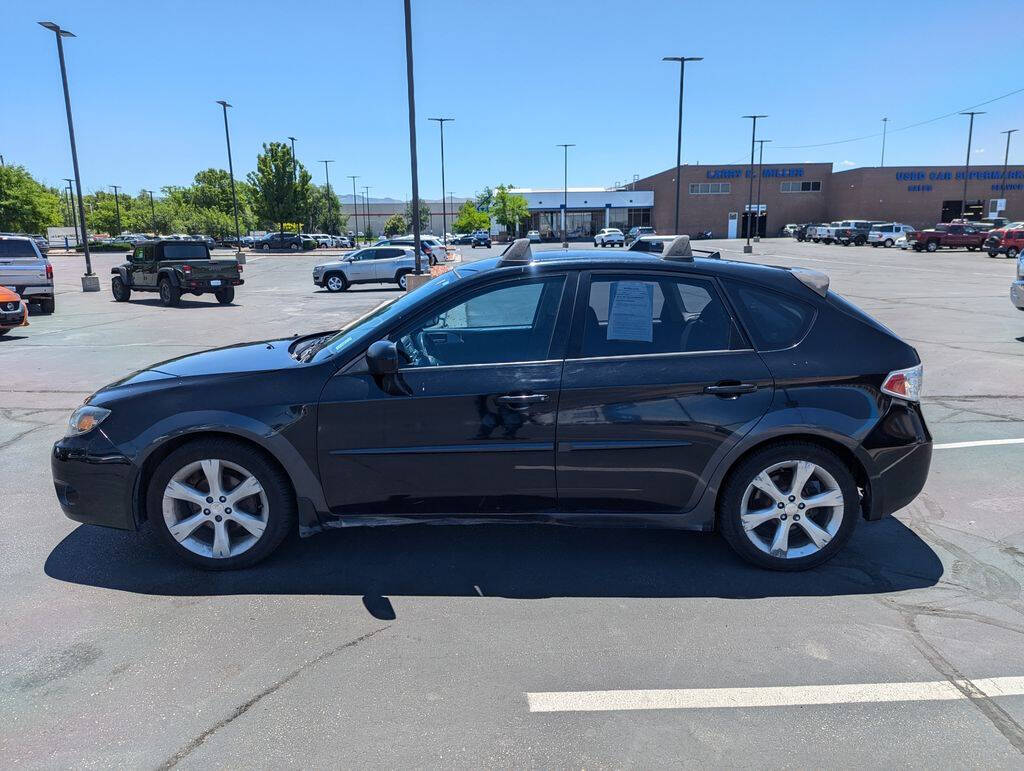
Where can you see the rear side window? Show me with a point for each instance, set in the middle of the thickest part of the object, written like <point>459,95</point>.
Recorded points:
<point>774,320</point>
<point>15,248</point>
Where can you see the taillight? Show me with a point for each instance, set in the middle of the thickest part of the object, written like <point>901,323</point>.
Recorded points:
<point>49,271</point>
<point>186,269</point>
<point>905,383</point>
<point>239,267</point>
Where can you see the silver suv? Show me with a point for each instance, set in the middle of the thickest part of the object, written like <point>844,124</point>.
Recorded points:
<point>375,265</point>
<point>25,270</point>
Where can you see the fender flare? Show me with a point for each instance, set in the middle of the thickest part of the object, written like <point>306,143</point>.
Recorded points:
<point>171,274</point>
<point>122,271</point>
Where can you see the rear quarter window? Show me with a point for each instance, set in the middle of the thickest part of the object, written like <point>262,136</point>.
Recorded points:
<point>774,320</point>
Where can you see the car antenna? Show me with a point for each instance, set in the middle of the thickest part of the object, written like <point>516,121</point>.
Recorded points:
<point>516,253</point>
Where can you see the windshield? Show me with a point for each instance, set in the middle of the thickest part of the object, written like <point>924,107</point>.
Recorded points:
<point>185,251</point>
<point>379,317</point>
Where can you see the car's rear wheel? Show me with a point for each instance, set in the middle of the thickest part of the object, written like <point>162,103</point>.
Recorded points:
<point>889,243</point>
<point>225,295</point>
<point>993,253</point>
<point>220,504</point>
<point>932,246</point>
<point>266,247</point>
<point>1011,253</point>
<point>48,305</point>
<point>335,282</point>
<point>790,506</point>
<point>293,247</point>
<point>169,295</point>
<point>119,290</point>
<point>402,279</point>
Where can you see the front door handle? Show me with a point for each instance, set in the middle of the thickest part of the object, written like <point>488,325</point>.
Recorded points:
<point>521,401</point>
<point>730,389</point>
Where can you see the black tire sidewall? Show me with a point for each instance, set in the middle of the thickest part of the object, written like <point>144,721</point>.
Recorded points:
<point>740,476</point>
<point>226,295</point>
<point>120,291</point>
<point>281,503</point>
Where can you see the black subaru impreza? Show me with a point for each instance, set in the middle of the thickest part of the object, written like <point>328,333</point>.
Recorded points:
<point>567,386</point>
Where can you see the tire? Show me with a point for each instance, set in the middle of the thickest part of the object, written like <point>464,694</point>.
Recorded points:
<point>889,243</point>
<point>122,294</point>
<point>834,525</point>
<point>4,331</point>
<point>335,282</point>
<point>596,244</point>
<point>1011,253</point>
<point>432,261</point>
<point>293,247</point>
<point>226,295</point>
<point>271,509</point>
<point>993,253</point>
<point>402,279</point>
<point>48,305</point>
<point>816,240</point>
<point>266,247</point>
<point>932,246</point>
<point>170,295</point>
<point>846,243</point>
<point>859,241</point>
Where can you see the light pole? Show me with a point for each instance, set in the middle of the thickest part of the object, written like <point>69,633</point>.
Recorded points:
<point>679,134</point>
<point>885,125</point>
<point>366,208</point>
<point>295,178</point>
<point>71,201</point>
<point>117,208</point>
<point>231,172</point>
<point>152,209</point>
<point>327,174</point>
<point>355,210</point>
<point>967,163</point>
<point>760,162</point>
<point>1006,159</point>
<point>412,138</point>
<point>444,215</point>
<point>90,281</point>
<point>748,249</point>
<point>565,194</point>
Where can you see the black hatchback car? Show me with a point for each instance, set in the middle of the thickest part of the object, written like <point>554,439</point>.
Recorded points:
<point>565,386</point>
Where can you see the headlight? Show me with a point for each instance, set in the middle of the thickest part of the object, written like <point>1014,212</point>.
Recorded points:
<point>85,419</point>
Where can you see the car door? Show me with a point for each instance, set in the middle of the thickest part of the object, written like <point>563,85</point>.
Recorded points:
<point>659,383</point>
<point>143,267</point>
<point>467,425</point>
<point>360,267</point>
<point>385,262</point>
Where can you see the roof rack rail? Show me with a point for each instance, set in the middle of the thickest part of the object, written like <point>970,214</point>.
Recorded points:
<point>516,253</point>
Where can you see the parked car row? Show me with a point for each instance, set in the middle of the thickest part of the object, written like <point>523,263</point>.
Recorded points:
<point>959,234</point>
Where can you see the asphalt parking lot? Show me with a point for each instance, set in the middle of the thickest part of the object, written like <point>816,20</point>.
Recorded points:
<point>485,645</point>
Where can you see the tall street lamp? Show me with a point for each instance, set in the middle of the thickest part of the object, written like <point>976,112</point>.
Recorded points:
<point>444,215</point>
<point>327,173</point>
<point>565,193</point>
<point>760,162</point>
<point>71,202</point>
<point>355,210</point>
<point>231,172</point>
<point>90,281</point>
<point>412,138</point>
<point>748,249</point>
<point>885,125</point>
<point>152,209</point>
<point>366,206</point>
<point>117,207</point>
<point>1006,159</point>
<point>967,163</point>
<point>679,134</point>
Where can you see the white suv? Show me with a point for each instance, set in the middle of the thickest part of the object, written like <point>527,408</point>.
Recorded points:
<point>609,237</point>
<point>376,265</point>
<point>888,233</point>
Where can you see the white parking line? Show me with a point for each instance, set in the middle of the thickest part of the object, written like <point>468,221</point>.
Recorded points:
<point>978,443</point>
<point>782,696</point>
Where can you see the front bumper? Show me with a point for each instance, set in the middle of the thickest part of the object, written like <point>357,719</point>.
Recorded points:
<point>17,318</point>
<point>1017,294</point>
<point>93,481</point>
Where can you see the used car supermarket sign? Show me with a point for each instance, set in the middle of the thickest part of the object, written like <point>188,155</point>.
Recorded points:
<point>939,176</point>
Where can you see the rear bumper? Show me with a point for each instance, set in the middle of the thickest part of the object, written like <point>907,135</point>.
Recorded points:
<point>94,482</point>
<point>38,292</point>
<point>901,448</point>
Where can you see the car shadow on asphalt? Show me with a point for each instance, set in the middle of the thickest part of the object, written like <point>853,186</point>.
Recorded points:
<point>154,302</point>
<point>509,561</point>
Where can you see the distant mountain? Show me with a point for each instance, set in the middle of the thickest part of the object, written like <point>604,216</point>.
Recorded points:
<point>348,199</point>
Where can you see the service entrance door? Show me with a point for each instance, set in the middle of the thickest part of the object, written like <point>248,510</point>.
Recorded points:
<point>756,222</point>
<point>733,221</point>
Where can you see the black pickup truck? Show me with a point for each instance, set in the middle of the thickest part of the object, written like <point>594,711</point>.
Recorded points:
<point>174,268</point>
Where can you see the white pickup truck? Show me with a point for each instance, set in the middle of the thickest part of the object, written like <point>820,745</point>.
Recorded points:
<point>25,270</point>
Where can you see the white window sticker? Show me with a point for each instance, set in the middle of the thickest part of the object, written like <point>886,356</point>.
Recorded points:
<point>631,316</point>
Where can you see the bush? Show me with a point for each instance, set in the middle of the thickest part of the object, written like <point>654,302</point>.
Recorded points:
<point>96,246</point>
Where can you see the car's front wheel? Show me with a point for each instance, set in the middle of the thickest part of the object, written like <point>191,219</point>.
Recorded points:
<point>790,506</point>
<point>336,282</point>
<point>220,504</point>
<point>121,292</point>
<point>932,246</point>
<point>888,243</point>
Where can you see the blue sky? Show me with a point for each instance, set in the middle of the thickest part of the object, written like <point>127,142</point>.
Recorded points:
<point>518,77</point>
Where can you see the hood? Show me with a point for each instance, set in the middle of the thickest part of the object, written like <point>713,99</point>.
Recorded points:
<point>245,357</point>
<point>6,295</point>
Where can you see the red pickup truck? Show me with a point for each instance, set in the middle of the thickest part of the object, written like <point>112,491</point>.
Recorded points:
<point>952,235</point>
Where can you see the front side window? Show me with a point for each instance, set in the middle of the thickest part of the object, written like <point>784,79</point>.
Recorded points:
<point>643,315</point>
<point>513,321</point>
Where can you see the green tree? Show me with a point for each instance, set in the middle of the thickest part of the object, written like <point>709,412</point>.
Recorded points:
<point>509,209</point>
<point>281,188</point>
<point>326,210</point>
<point>101,212</point>
<point>484,199</point>
<point>26,205</point>
<point>424,214</point>
<point>470,219</point>
<point>396,225</point>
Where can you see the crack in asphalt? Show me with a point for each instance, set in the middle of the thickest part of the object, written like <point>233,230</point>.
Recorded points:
<point>241,709</point>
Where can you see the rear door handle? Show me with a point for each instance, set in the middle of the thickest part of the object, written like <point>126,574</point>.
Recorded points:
<point>521,401</point>
<point>730,389</point>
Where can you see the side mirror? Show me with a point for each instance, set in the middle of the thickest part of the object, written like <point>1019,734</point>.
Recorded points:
<point>382,358</point>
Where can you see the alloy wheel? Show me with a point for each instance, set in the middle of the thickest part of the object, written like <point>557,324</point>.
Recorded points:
<point>335,284</point>
<point>215,508</point>
<point>792,509</point>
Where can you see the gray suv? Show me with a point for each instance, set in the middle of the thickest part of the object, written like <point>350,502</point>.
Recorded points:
<point>375,265</point>
<point>25,270</point>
